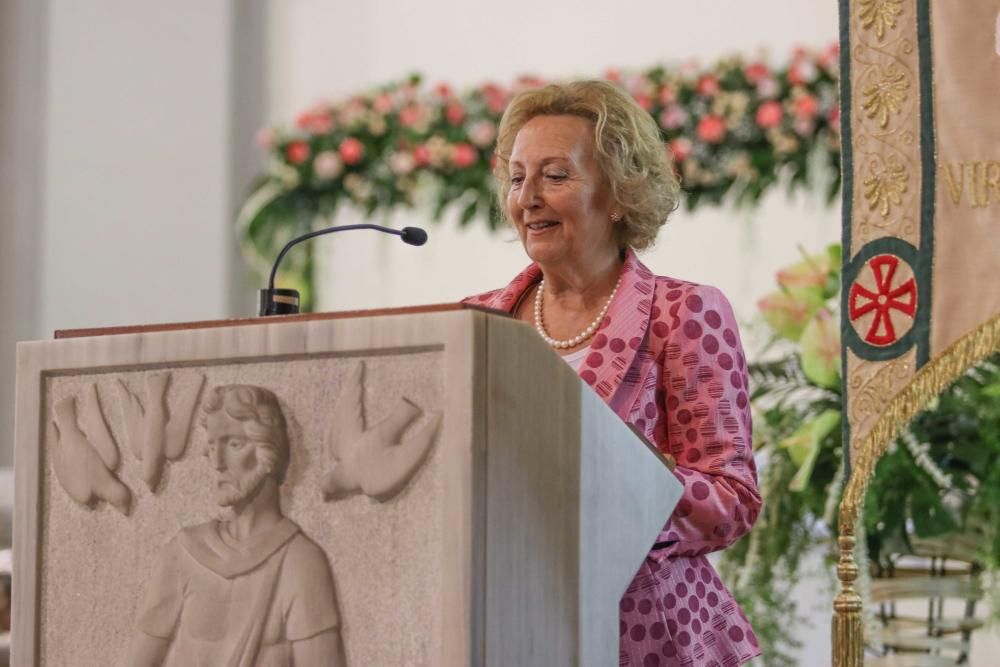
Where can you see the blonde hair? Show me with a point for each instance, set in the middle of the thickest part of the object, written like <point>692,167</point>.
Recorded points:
<point>630,151</point>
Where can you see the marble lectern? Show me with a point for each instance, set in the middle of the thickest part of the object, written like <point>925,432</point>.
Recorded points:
<point>427,486</point>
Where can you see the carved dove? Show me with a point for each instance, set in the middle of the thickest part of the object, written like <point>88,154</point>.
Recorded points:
<point>83,460</point>
<point>377,461</point>
<point>155,432</point>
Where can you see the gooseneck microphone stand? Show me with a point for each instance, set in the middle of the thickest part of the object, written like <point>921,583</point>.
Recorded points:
<point>282,301</point>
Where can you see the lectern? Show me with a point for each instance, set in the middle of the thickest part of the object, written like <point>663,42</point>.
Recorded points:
<point>451,494</point>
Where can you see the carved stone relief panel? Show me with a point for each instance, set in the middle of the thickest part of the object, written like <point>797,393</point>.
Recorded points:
<point>150,481</point>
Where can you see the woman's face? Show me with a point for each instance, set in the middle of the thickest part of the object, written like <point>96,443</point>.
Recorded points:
<point>559,200</point>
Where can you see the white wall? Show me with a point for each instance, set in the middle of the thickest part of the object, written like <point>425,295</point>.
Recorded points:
<point>136,184</point>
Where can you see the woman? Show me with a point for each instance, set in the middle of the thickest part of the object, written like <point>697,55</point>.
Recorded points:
<point>584,178</point>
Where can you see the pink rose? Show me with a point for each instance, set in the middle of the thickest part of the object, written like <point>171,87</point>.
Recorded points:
<point>443,90</point>
<point>672,117</point>
<point>711,129</point>
<point>767,87</point>
<point>667,95</point>
<point>463,155</point>
<point>637,84</point>
<point>769,114</point>
<point>422,155</point>
<point>315,122</point>
<point>351,150</point>
<point>402,163</point>
<point>483,133</point>
<point>707,86</point>
<point>755,72</point>
<point>454,113</point>
<point>801,73</point>
<point>490,89</point>
<point>795,76</point>
<point>804,126</point>
<point>680,148</point>
<point>644,101</point>
<point>613,75</point>
<point>297,152</point>
<point>351,113</point>
<point>496,97</point>
<point>496,105</point>
<point>382,103</point>
<point>410,115</point>
<point>327,165</point>
<point>806,106</point>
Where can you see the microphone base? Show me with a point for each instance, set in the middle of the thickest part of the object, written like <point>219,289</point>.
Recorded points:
<point>277,301</point>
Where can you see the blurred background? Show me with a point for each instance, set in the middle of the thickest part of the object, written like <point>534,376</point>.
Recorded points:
<point>128,146</point>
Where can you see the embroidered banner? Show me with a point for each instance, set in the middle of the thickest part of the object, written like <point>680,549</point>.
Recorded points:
<point>921,197</point>
<point>921,146</point>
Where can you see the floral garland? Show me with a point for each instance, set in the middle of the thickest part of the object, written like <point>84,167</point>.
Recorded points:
<point>735,130</point>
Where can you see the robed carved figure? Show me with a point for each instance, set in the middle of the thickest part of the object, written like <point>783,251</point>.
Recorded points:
<point>250,591</point>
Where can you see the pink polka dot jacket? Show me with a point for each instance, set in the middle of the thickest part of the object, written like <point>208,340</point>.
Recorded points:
<point>668,359</point>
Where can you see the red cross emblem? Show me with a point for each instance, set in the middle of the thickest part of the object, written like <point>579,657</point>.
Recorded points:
<point>891,293</point>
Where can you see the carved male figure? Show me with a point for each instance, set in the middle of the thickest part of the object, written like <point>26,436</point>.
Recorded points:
<point>252,591</point>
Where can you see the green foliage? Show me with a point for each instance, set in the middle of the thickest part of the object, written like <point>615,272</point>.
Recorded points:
<point>963,428</point>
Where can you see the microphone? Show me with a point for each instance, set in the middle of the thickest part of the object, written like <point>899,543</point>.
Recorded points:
<point>283,301</point>
<point>413,235</point>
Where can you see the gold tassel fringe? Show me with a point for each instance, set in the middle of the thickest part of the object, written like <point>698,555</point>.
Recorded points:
<point>848,618</point>
<point>926,384</point>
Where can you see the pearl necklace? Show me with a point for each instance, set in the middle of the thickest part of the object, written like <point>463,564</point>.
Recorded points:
<point>576,340</point>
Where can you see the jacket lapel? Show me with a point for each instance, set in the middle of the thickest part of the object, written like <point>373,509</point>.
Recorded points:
<point>617,360</point>
<point>616,364</point>
<point>506,299</point>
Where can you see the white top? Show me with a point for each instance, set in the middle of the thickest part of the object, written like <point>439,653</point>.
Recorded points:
<point>575,359</point>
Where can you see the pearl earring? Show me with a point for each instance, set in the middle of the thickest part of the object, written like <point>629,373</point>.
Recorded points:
<point>616,216</point>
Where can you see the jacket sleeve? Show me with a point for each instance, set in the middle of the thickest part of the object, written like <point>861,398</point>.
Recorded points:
<point>706,425</point>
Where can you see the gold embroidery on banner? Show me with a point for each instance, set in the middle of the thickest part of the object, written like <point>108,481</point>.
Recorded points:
<point>880,14</point>
<point>885,124</point>
<point>982,178</point>
<point>886,95</point>
<point>991,174</point>
<point>956,185</point>
<point>871,385</point>
<point>886,185</point>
